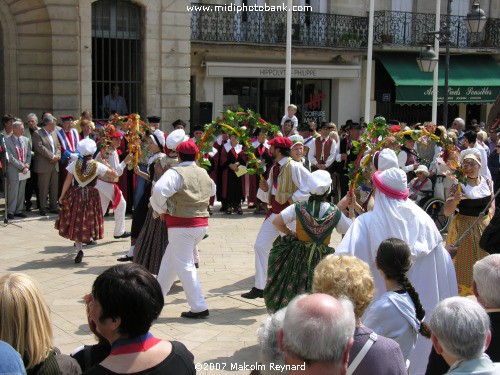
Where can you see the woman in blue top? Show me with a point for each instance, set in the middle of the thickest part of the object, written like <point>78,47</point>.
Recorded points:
<point>398,314</point>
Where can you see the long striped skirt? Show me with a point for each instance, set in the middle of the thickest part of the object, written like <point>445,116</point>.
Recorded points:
<point>469,251</point>
<point>80,218</point>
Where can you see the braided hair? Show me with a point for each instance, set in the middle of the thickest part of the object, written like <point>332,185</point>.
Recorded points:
<point>394,259</point>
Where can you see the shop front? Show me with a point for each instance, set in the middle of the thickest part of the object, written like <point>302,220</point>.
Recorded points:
<point>261,87</point>
<point>405,91</point>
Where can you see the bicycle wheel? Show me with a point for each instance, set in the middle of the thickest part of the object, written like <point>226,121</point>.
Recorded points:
<point>435,209</point>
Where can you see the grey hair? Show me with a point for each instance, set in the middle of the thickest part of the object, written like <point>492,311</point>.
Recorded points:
<point>320,338</point>
<point>17,124</point>
<point>460,121</point>
<point>487,277</point>
<point>48,120</point>
<point>32,116</point>
<point>461,326</point>
<point>267,335</point>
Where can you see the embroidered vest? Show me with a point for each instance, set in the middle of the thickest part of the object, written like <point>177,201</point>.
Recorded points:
<point>328,146</point>
<point>193,198</point>
<point>286,186</point>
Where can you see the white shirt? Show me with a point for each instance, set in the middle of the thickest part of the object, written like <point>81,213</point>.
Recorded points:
<point>294,120</point>
<point>51,140</point>
<point>402,158</point>
<point>329,159</point>
<point>170,183</point>
<point>113,161</point>
<point>289,215</point>
<point>100,171</point>
<point>299,177</point>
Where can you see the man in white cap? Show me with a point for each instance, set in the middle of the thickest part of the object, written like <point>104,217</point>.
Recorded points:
<point>181,196</point>
<point>421,185</point>
<point>108,188</point>
<point>394,215</point>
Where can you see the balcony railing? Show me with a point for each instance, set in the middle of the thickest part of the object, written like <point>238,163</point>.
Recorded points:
<point>334,30</point>
<point>410,29</point>
<point>309,29</point>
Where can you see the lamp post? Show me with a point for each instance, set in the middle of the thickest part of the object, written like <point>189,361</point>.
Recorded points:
<point>475,22</point>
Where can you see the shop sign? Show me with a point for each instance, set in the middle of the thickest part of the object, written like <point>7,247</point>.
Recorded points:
<point>313,111</point>
<point>226,69</point>
<point>456,94</point>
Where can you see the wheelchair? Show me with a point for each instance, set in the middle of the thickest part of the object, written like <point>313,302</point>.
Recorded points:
<point>433,203</point>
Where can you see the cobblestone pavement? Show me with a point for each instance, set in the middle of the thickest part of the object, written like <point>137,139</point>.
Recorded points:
<point>227,338</point>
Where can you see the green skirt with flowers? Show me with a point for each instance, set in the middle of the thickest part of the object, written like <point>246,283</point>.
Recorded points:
<point>290,270</point>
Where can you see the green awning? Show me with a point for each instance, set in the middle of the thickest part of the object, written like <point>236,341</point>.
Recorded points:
<point>472,79</point>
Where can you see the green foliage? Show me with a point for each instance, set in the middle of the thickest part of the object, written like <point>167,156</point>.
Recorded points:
<point>243,123</point>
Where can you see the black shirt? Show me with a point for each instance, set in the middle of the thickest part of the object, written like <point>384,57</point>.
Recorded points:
<point>179,362</point>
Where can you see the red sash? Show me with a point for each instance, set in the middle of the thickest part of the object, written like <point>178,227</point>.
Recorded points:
<point>21,152</point>
<point>136,345</point>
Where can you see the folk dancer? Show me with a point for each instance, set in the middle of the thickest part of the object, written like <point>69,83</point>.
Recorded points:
<point>323,150</point>
<point>181,196</point>
<point>109,192</point>
<point>261,152</point>
<point>286,185</point>
<point>346,154</point>
<point>81,218</point>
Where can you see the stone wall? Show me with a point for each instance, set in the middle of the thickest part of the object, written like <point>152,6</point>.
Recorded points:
<point>46,57</point>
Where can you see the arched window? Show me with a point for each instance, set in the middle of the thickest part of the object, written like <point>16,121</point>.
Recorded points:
<point>116,57</point>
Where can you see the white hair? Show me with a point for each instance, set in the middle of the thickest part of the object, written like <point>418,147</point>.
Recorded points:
<point>32,116</point>
<point>460,121</point>
<point>461,326</point>
<point>318,338</point>
<point>487,277</point>
<point>267,335</point>
<point>17,124</point>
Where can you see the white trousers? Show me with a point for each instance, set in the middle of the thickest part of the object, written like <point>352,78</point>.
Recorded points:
<point>263,244</point>
<point>107,194</point>
<point>178,262</point>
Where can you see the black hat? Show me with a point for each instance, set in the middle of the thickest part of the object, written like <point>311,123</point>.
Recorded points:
<point>178,122</point>
<point>154,119</point>
<point>323,124</point>
<point>408,137</point>
<point>198,128</point>
<point>304,127</point>
<point>354,125</point>
<point>393,122</point>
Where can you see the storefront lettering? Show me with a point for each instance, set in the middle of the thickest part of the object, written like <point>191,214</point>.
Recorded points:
<point>274,72</point>
<point>471,91</point>
<point>315,100</point>
<point>477,91</point>
<point>317,116</point>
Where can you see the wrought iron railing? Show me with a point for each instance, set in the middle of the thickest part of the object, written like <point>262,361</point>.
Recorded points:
<point>333,30</point>
<point>411,29</point>
<point>309,29</point>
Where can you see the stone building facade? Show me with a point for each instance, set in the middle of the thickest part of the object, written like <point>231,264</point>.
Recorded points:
<point>48,56</point>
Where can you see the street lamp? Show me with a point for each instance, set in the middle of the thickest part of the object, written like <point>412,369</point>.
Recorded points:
<point>475,21</point>
<point>427,60</point>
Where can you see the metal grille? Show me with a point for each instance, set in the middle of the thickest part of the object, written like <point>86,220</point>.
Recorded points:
<point>309,29</point>
<point>333,30</point>
<point>116,57</point>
